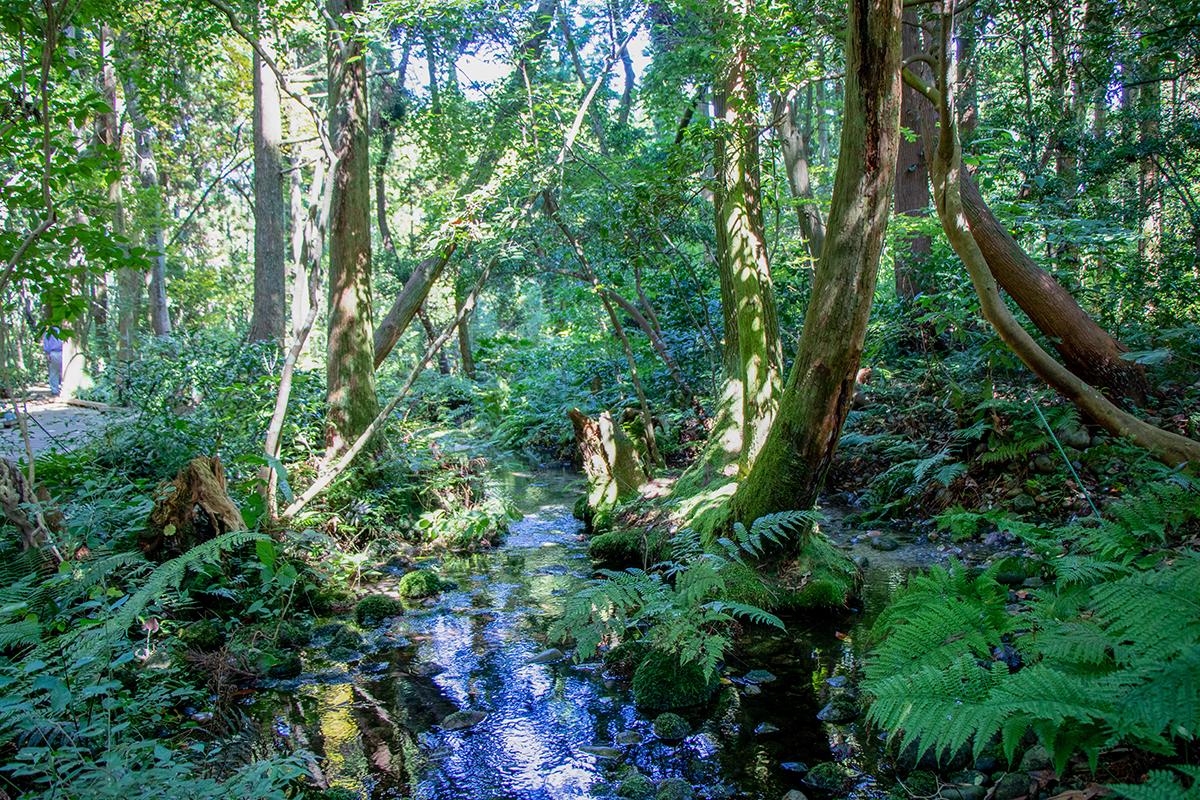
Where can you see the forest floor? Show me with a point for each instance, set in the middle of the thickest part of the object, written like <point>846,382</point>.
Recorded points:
<point>55,426</point>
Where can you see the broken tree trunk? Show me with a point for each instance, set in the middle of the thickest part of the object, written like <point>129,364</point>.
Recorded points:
<point>609,458</point>
<point>191,509</point>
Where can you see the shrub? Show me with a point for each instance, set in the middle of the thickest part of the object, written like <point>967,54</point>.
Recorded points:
<point>419,583</point>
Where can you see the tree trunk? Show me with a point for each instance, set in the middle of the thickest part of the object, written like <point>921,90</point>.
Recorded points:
<point>912,176</point>
<point>1086,348</point>
<point>465,347</point>
<point>268,320</point>
<point>793,463</point>
<point>946,169</point>
<point>431,336</point>
<point>793,141</point>
<point>151,209</point>
<point>129,287</point>
<point>744,253</point>
<point>350,365</point>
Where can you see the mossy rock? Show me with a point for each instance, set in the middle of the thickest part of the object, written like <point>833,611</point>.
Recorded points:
<point>624,547</point>
<point>326,600</point>
<point>636,787</point>
<point>418,584</point>
<point>744,584</point>
<point>829,778</point>
<point>292,635</point>
<point>675,789</point>
<point>660,683</point>
<point>375,608</point>
<point>671,727</point>
<point>286,664</point>
<point>205,635</point>
<point>623,659</point>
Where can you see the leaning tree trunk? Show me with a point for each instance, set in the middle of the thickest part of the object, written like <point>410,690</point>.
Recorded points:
<point>946,170</point>
<point>466,350</point>
<point>792,465</point>
<point>268,320</point>
<point>743,243</point>
<point>350,364</point>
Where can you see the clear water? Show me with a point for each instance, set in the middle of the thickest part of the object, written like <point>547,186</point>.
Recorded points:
<point>375,724</point>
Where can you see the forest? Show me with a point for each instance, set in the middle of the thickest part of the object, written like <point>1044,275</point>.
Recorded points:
<point>565,399</point>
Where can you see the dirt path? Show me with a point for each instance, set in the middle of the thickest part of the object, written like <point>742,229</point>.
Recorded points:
<point>54,426</point>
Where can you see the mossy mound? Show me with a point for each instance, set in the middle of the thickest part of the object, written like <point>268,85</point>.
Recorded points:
<point>282,664</point>
<point>636,787</point>
<point>671,727</point>
<point>291,635</point>
<point>419,583</point>
<point>675,789</point>
<point>205,635</point>
<point>660,683</point>
<point>623,659</point>
<point>375,608</point>
<point>829,778</point>
<point>622,548</point>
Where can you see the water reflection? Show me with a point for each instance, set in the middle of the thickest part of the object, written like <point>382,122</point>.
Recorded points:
<point>384,730</point>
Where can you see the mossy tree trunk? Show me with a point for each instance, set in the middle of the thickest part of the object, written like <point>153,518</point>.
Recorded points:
<point>350,364</point>
<point>746,273</point>
<point>795,458</point>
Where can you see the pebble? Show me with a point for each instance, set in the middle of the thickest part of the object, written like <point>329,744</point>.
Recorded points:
<point>765,729</point>
<point>965,792</point>
<point>601,751</point>
<point>798,767</point>
<point>795,794</point>
<point>629,738</point>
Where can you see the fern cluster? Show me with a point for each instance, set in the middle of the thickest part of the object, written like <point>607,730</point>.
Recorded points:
<point>683,606</point>
<point>1107,653</point>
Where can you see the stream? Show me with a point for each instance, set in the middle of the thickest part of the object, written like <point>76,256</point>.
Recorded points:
<point>383,722</point>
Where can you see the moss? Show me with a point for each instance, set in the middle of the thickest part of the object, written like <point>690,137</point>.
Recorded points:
<point>921,783</point>
<point>282,664</point>
<point>636,787</point>
<point>675,789</point>
<point>419,583</point>
<point>205,635</point>
<point>292,635</point>
<point>660,683</point>
<point>671,727</point>
<point>624,658</point>
<point>375,608</point>
<point>830,777</point>
<point>628,548</point>
<point>616,549</point>
<point>745,584</point>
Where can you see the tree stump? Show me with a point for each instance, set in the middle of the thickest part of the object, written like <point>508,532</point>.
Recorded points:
<point>191,509</point>
<point>609,458</point>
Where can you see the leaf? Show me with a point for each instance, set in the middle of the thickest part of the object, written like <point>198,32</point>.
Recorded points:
<point>1147,358</point>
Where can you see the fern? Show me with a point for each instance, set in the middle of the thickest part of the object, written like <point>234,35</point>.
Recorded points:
<point>1163,785</point>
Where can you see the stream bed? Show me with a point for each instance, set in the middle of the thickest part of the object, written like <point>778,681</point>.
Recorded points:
<point>450,701</point>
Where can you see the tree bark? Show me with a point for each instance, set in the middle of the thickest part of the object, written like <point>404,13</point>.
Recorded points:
<point>268,320</point>
<point>466,349</point>
<point>792,466</point>
<point>350,366</point>
<point>912,176</point>
<point>744,252</point>
<point>152,210</point>
<point>793,141</point>
<point>946,168</point>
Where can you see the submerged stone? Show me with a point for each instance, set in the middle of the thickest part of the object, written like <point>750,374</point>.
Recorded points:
<point>838,711</point>
<point>758,676</point>
<point>601,751</point>
<point>547,656</point>
<point>463,720</point>
<point>636,787</point>
<point>795,767</point>
<point>629,738</point>
<point>765,729</point>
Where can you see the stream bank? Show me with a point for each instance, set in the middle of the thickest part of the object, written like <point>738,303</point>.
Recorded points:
<point>463,695</point>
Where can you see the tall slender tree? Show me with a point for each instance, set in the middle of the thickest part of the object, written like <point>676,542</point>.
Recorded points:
<point>269,317</point>
<point>350,365</point>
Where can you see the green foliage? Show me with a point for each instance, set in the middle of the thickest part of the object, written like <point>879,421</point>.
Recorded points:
<point>671,727</point>
<point>1164,785</point>
<point>1107,655</point>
